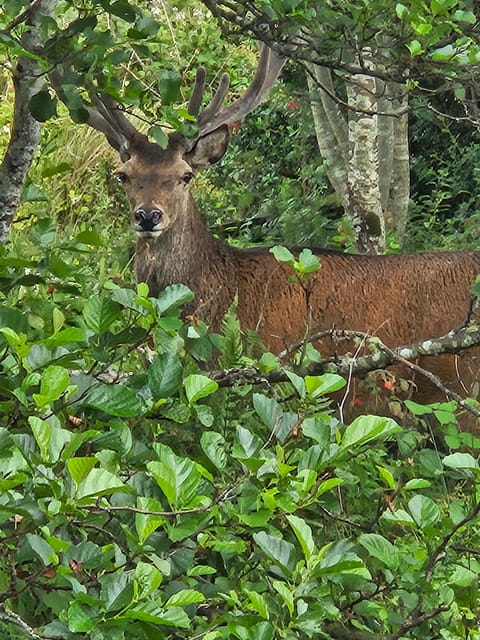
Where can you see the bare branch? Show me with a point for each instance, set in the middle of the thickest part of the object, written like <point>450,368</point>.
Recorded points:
<point>453,342</point>
<point>13,618</point>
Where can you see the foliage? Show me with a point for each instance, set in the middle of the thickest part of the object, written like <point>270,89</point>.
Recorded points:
<point>277,191</point>
<point>428,43</point>
<point>445,182</point>
<point>141,500</point>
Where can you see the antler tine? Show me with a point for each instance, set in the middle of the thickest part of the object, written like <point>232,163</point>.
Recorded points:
<point>113,116</point>
<point>98,122</point>
<point>197,93</point>
<point>106,116</point>
<point>216,102</point>
<point>268,69</point>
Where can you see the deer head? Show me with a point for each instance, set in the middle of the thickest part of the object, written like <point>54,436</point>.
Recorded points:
<point>156,180</point>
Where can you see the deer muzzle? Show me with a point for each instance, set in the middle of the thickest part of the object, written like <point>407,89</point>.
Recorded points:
<point>148,221</point>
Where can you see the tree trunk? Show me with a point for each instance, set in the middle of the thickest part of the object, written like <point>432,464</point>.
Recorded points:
<point>25,132</point>
<point>365,146</point>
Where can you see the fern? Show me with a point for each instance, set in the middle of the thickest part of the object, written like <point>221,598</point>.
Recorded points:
<point>232,349</point>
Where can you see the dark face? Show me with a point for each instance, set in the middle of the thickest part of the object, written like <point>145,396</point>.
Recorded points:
<point>156,180</point>
<point>157,191</point>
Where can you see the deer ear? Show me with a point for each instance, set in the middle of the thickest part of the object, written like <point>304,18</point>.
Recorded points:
<point>208,149</point>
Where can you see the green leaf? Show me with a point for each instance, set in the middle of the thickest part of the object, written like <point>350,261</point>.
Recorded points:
<point>304,535</point>
<point>214,447</point>
<point>280,551</point>
<point>417,483</point>
<point>380,548</point>
<point>287,596</point>
<point>282,254</point>
<point>115,400</point>
<point>258,603</point>
<point>100,313</point>
<point>185,597</point>
<point>267,409</point>
<point>150,612</point>
<point>42,549</point>
<point>81,619</point>
<point>415,48</point>
<point>424,511</point>
<point>55,380</point>
<point>165,375</point>
<point>146,524</point>
<point>177,477</point>
<point>43,106</point>
<point>463,577</point>
<point>50,438</point>
<point>169,84</point>
<point>148,579</point>
<point>366,428</point>
<point>79,468</point>
<point>309,262</point>
<point>387,477</point>
<point>99,482</point>
<point>159,135</point>
<point>247,444</point>
<point>117,591</point>
<point>122,9</point>
<point>468,17</point>
<point>399,517</point>
<point>321,385</point>
<point>173,297</point>
<point>13,318</point>
<point>198,386</point>
<point>90,237</point>
<point>460,460</point>
<point>41,432</point>
<point>401,10</point>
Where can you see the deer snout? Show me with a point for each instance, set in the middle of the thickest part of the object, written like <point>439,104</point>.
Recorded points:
<point>147,219</point>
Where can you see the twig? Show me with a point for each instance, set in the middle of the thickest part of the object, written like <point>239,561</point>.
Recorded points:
<point>9,616</point>
<point>22,17</point>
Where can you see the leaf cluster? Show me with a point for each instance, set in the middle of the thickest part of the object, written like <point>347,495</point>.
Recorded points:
<point>139,500</point>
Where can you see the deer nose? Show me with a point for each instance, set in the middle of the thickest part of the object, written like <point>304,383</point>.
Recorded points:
<point>148,219</point>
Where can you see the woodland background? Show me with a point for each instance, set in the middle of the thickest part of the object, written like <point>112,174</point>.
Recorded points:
<point>138,497</point>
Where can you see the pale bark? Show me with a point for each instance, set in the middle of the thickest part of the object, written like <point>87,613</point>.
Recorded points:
<point>365,206</point>
<point>25,131</point>
<point>365,148</point>
<point>330,129</point>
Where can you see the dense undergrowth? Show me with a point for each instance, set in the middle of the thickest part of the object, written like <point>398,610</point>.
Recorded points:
<point>140,500</point>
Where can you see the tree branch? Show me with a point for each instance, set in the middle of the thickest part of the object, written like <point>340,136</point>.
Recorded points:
<point>13,618</point>
<point>346,365</point>
<point>25,133</point>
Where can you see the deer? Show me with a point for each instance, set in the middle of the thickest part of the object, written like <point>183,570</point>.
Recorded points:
<point>401,299</point>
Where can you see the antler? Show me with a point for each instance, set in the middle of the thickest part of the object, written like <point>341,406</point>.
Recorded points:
<point>213,117</point>
<point>106,116</point>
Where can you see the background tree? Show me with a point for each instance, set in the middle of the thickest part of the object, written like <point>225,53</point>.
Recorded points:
<point>362,64</point>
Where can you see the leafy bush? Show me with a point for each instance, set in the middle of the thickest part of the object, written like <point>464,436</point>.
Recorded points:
<point>139,499</point>
<point>445,206</point>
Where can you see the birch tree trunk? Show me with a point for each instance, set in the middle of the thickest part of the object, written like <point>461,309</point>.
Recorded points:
<point>25,132</point>
<point>365,146</point>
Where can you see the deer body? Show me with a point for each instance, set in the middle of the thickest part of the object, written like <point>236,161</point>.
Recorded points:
<point>401,299</point>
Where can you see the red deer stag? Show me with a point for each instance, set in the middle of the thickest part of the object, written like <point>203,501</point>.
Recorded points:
<point>399,298</point>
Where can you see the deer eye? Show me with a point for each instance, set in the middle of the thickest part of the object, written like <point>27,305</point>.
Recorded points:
<point>121,177</point>
<point>187,177</point>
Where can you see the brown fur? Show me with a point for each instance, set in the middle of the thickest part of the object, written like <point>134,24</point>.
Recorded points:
<point>399,298</point>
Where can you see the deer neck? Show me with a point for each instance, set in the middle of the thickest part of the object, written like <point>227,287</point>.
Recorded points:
<point>187,253</point>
